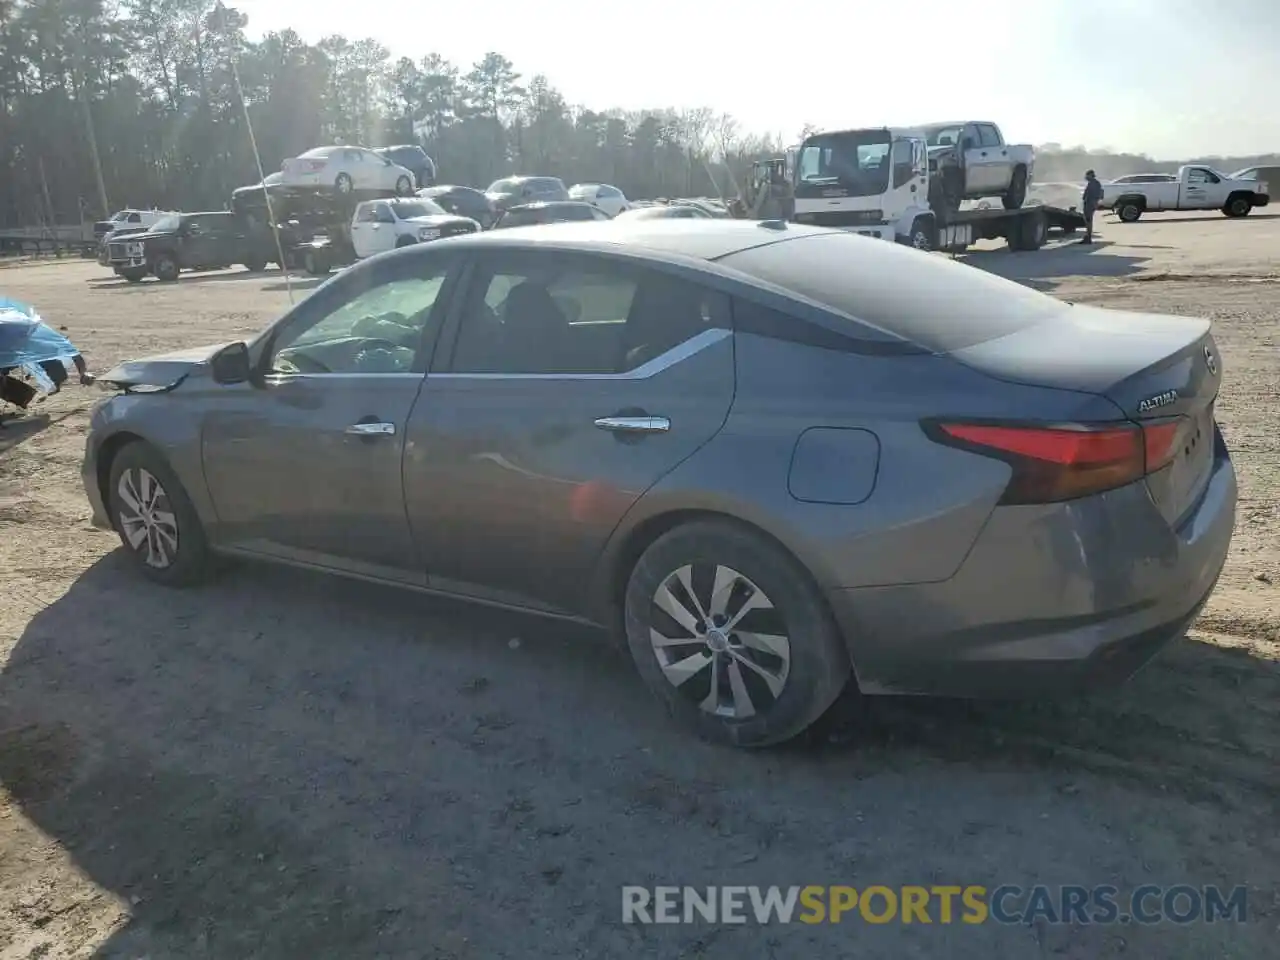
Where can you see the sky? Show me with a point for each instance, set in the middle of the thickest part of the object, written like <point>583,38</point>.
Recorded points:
<point>1169,78</point>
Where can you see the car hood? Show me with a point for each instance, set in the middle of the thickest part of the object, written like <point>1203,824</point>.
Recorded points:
<point>437,220</point>
<point>159,373</point>
<point>151,235</point>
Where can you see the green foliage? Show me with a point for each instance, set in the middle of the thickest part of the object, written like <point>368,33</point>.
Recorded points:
<point>155,87</point>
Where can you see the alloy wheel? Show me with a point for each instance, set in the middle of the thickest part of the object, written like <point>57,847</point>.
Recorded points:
<point>720,641</point>
<point>147,519</point>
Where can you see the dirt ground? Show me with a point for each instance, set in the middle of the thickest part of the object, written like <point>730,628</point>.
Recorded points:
<point>285,765</point>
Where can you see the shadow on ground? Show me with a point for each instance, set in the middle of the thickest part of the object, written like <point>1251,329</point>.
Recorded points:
<point>1042,269</point>
<point>151,283</point>
<point>286,765</point>
<point>16,428</point>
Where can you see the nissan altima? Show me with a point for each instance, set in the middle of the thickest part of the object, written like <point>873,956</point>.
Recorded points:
<point>776,460</point>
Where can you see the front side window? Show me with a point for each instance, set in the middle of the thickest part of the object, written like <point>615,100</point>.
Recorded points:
<point>135,218</point>
<point>380,327</point>
<point>904,166</point>
<point>542,315</point>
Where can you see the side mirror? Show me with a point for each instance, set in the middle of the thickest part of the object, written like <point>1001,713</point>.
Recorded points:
<point>231,364</point>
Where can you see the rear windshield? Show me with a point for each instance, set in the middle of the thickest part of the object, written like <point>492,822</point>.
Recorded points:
<point>931,301</point>
<point>422,207</point>
<point>504,186</point>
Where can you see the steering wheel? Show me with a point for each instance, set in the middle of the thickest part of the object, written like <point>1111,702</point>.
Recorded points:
<point>369,346</point>
<point>299,363</point>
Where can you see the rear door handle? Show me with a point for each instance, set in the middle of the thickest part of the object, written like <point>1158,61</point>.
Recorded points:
<point>369,429</point>
<point>634,424</point>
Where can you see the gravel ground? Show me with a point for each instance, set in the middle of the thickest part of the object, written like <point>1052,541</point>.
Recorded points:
<point>285,765</point>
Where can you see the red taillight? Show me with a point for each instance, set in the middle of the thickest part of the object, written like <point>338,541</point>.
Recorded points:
<point>1051,464</point>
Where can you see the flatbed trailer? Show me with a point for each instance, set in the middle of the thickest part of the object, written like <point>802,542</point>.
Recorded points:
<point>1026,228</point>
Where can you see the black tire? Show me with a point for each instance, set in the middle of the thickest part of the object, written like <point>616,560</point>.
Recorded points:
<point>133,276</point>
<point>819,665</point>
<point>256,265</point>
<point>921,236</point>
<point>1028,232</point>
<point>1016,195</point>
<point>343,184</point>
<point>186,548</point>
<point>317,265</point>
<point>166,268</point>
<point>405,242</point>
<point>1237,206</point>
<point>404,187</point>
<point>1128,211</point>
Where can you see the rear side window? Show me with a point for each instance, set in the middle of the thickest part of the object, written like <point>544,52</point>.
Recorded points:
<point>988,135</point>
<point>135,218</point>
<point>930,301</point>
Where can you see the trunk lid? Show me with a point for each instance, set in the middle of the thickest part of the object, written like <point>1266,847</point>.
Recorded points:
<point>1153,368</point>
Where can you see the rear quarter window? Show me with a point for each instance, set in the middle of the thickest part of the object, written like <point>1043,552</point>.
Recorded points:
<point>932,302</point>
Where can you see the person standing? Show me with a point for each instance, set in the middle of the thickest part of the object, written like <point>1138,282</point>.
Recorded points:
<point>1089,202</point>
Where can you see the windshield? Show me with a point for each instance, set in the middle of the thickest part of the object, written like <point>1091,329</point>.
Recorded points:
<point>417,208</point>
<point>855,160</point>
<point>942,136</point>
<point>122,215</point>
<point>504,186</point>
<point>166,225</point>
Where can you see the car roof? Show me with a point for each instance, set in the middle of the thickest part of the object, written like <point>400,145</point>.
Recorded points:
<point>701,239</point>
<point>549,204</point>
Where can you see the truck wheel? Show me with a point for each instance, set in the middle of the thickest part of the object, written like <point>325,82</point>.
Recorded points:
<point>133,276</point>
<point>405,242</point>
<point>404,187</point>
<point>921,236</point>
<point>256,265</point>
<point>1237,206</point>
<point>1128,212</point>
<point>316,264</point>
<point>1028,232</point>
<point>1017,192</point>
<point>166,268</point>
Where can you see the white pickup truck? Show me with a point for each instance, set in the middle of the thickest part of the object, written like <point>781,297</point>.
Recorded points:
<point>1193,187</point>
<point>969,159</point>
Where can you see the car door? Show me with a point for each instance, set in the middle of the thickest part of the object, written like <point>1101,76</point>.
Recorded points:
<point>382,230</point>
<point>361,225</point>
<point>199,247</point>
<point>977,171</point>
<point>568,385</point>
<point>994,156</point>
<point>1196,191</point>
<point>305,465</point>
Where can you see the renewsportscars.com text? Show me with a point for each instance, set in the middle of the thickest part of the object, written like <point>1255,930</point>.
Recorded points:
<point>969,904</point>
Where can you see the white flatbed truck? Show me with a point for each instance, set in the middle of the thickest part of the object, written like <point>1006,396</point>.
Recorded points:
<point>875,181</point>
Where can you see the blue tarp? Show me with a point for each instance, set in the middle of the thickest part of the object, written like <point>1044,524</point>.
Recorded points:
<point>26,341</point>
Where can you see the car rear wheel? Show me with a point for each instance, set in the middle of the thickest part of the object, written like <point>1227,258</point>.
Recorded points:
<point>1129,212</point>
<point>1017,192</point>
<point>155,519</point>
<point>343,184</point>
<point>732,635</point>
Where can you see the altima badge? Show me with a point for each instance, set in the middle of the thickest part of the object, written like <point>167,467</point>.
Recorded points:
<point>1210,362</point>
<point>1161,399</point>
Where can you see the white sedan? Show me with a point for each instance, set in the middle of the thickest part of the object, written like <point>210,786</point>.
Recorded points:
<point>602,196</point>
<point>346,169</point>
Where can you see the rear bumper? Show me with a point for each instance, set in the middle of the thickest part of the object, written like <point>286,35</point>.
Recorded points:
<point>1051,600</point>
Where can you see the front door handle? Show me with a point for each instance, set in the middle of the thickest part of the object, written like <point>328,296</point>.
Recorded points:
<point>634,424</point>
<point>370,429</point>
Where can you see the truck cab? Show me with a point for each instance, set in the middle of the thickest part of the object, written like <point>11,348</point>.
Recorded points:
<point>1194,187</point>
<point>873,181</point>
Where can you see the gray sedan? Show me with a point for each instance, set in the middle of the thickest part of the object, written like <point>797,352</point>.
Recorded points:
<point>777,460</point>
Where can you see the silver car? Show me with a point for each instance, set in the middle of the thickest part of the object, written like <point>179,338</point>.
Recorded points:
<point>775,459</point>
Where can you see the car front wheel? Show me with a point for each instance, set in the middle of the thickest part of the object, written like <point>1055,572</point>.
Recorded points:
<point>733,635</point>
<point>156,521</point>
